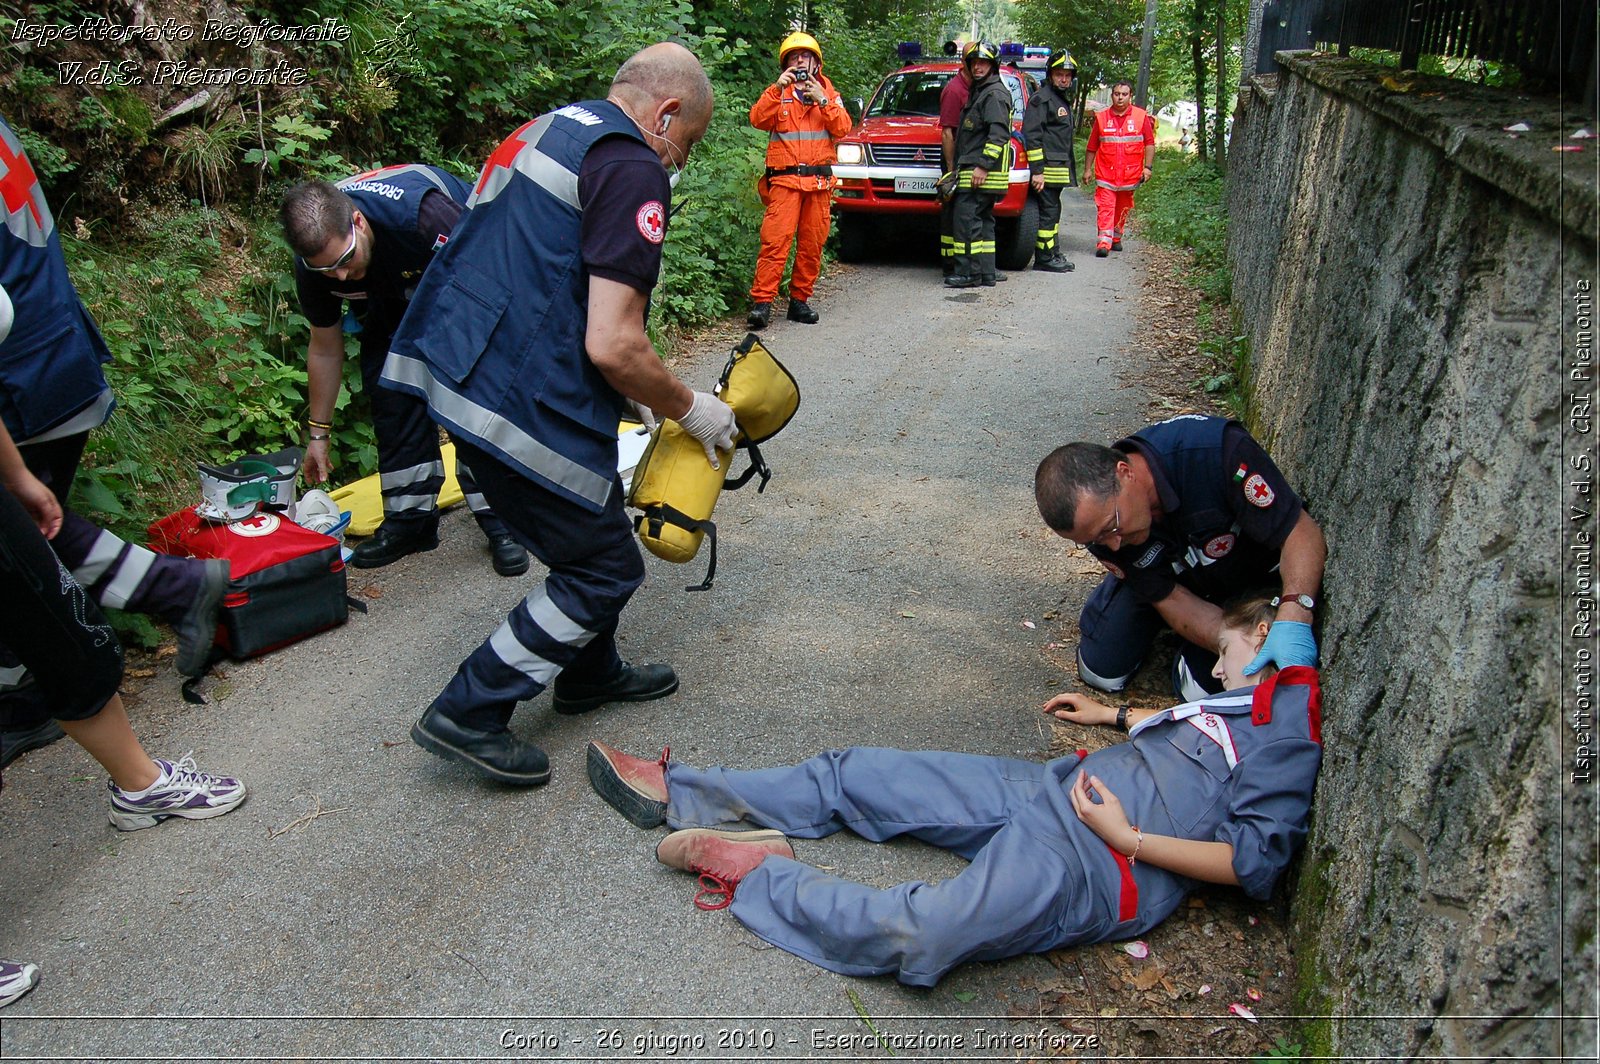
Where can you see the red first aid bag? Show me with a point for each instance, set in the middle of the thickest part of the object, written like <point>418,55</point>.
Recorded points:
<point>286,582</point>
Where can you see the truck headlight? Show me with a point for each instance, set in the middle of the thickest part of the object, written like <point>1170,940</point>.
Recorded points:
<point>849,154</point>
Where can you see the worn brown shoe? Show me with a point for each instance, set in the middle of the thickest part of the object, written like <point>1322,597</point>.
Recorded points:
<point>721,858</point>
<point>632,786</point>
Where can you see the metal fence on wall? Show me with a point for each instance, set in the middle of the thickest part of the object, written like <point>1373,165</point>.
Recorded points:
<point>1551,42</point>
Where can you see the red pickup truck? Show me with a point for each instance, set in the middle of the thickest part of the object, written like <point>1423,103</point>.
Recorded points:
<point>890,162</point>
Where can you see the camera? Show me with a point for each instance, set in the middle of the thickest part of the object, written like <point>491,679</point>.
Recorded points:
<point>802,75</point>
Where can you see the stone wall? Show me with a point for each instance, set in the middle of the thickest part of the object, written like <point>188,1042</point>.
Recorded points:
<point>1405,271</point>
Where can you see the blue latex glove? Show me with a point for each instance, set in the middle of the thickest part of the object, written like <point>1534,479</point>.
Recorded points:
<point>1287,643</point>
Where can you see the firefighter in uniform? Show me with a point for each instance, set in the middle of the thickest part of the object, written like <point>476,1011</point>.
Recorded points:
<point>1047,130</point>
<point>983,174</point>
<point>1120,153</point>
<point>52,392</point>
<point>1184,515</point>
<point>803,116</point>
<point>526,338</point>
<point>367,240</point>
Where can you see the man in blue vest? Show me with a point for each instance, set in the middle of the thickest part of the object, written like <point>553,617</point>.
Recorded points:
<point>527,339</point>
<point>1184,515</point>
<point>52,392</point>
<point>367,240</point>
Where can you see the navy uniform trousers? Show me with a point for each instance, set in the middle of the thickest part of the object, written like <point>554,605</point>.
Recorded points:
<point>570,620</point>
<point>410,467</point>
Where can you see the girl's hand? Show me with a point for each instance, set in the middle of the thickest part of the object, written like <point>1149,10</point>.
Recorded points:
<point>1079,709</point>
<point>1105,818</point>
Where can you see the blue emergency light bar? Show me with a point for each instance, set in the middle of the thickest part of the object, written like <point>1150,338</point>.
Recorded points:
<point>909,51</point>
<point>1011,48</point>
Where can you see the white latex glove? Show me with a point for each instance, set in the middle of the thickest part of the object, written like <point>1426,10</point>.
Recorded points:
<point>641,413</point>
<point>710,421</point>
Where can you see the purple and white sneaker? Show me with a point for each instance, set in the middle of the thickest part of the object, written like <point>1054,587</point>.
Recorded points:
<point>183,790</point>
<point>16,980</point>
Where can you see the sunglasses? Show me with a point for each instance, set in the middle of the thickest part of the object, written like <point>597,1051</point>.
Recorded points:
<point>338,263</point>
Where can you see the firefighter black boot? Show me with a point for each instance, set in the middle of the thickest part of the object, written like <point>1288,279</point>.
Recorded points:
<point>800,311</point>
<point>760,315</point>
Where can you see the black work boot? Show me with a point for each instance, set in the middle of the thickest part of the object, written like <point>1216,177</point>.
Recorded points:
<point>760,315</point>
<point>497,754</point>
<point>510,557</point>
<point>635,683</point>
<point>800,311</point>
<point>961,280</point>
<point>393,541</point>
<point>13,744</point>
<point>1054,264</point>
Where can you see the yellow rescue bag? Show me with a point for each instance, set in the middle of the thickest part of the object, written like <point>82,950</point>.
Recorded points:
<point>675,486</point>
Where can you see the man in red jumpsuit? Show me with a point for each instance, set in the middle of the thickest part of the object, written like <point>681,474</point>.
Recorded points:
<point>803,116</point>
<point>1121,150</point>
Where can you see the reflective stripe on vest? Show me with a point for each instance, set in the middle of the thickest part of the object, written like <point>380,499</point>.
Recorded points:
<point>485,425</point>
<point>799,134</point>
<point>531,163</point>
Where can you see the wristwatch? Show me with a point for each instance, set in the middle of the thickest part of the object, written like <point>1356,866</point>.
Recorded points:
<point>1303,601</point>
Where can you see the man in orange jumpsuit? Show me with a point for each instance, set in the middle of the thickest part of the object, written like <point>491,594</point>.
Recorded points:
<point>803,116</point>
<point>1121,150</point>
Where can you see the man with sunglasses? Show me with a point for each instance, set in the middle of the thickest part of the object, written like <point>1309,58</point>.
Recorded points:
<point>1185,515</point>
<point>367,240</point>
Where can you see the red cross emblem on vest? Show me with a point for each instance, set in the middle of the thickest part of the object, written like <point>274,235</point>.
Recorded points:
<point>494,176</point>
<point>27,216</point>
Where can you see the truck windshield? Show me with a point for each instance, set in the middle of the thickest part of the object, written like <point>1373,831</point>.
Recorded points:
<point>917,93</point>
<point>909,94</point>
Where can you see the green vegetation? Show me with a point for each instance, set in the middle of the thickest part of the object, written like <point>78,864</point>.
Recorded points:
<point>167,206</point>
<point>1184,206</point>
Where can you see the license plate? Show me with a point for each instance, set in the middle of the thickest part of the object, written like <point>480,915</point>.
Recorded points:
<point>917,186</point>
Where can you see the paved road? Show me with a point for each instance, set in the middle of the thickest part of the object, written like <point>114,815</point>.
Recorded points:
<point>875,594</point>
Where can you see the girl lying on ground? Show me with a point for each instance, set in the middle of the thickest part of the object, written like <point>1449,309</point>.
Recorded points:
<point>1084,848</point>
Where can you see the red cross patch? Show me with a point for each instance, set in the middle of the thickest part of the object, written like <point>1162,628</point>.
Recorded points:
<point>1220,546</point>
<point>1258,492</point>
<point>256,526</point>
<point>652,221</point>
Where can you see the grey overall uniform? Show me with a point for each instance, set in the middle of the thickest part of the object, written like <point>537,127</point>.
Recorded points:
<point>1238,768</point>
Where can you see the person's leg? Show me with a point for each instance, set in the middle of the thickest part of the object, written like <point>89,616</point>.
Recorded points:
<point>985,252</point>
<point>813,224</point>
<point>1124,208</point>
<point>52,628</point>
<point>1115,631</point>
<point>510,557</point>
<point>947,235</point>
<point>1044,248</point>
<point>1105,213</point>
<point>410,468</point>
<point>967,229</point>
<point>1019,895</point>
<point>569,621</point>
<point>954,801</point>
<point>777,236</point>
<point>117,574</point>
<point>109,739</point>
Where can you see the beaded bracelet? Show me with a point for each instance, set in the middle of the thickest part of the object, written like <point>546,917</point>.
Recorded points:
<point>1133,858</point>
